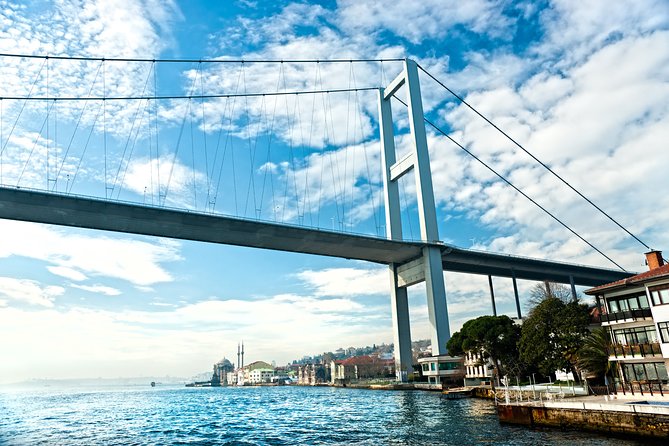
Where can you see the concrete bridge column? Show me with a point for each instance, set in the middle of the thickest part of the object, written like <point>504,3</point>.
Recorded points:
<point>401,327</point>
<point>437,309</point>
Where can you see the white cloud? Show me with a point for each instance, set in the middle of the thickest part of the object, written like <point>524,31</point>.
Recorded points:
<point>419,21</point>
<point>347,281</point>
<point>184,340</point>
<point>138,262</point>
<point>66,272</point>
<point>98,289</point>
<point>29,292</point>
<point>178,183</point>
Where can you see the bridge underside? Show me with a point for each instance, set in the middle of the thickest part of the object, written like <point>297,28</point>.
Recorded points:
<point>92,213</point>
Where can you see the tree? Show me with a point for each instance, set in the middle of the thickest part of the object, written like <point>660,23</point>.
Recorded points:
<point>545,290</point>
<point>593,356</point>
<point>552,335</point>
<point>495,337</point>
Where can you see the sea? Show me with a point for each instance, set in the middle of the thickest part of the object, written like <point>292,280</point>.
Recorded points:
<point>287,415</point>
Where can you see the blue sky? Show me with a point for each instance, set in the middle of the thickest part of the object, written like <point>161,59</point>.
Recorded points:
<point>584,87</point>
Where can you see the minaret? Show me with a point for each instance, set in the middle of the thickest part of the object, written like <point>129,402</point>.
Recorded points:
<point>238,366</point>
<point>242,354</point>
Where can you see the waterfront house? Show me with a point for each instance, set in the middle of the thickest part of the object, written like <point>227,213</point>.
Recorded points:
<point>636,313</point>
<point>305,375</point>
<point>478,368</point>
<point>442,369</point>
<point>260,375</point>
<point>254,373</point>
<point>361,367</point>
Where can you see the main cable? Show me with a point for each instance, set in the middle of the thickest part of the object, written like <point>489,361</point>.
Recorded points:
<point>545,166</point>
<point>235,61</point>
<point>500,176</point>
<point>191,96</point>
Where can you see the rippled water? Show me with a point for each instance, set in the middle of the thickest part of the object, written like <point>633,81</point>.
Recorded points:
<point>260,416</point>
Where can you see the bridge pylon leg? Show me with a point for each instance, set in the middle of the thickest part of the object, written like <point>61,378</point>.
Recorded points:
<point>401,328</point>
<point>437,310</point>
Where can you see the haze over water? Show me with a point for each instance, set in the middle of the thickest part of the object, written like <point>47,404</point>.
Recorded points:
<point>259,416</point>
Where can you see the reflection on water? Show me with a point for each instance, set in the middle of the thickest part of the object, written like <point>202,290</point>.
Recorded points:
<point>260,416</point>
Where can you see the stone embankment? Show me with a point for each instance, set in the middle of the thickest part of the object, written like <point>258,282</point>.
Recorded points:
<point>648,418</point>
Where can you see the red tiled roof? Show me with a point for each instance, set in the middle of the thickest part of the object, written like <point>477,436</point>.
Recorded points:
<point>634,280</point>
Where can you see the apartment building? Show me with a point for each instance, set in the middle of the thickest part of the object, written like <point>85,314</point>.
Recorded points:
<point>636,313</point>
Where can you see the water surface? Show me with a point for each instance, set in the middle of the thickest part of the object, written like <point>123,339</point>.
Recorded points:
<point>260,416</point>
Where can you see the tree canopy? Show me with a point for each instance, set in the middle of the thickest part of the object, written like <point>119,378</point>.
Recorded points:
<point>552,335</point>
<point>496,337</point>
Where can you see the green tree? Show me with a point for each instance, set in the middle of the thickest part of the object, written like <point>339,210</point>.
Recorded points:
<point>552,335</point>
<point>593,356</point>
<point>496,337</point>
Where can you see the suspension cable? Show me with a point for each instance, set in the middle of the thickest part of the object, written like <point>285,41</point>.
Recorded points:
<point>232,61</point>
<point>500,176</point>
<point>545,166</point>
<point>190,96</point>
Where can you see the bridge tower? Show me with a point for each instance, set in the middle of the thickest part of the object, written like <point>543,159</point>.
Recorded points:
<point>428,267</point>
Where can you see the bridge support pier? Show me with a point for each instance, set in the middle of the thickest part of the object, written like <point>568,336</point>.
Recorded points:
<point>437,310</point>
<point>492,296</point>
<point>401,327</point>
<point>515,294</point>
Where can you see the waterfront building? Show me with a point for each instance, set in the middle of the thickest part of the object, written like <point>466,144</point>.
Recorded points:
<point>361,367</point>
<point>306,375</point>
<point>442,369</point>
<point>635,312</point>
<point>260,375</point>
<point>478,368</point>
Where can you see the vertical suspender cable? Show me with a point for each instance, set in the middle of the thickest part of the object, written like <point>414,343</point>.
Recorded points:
<point>155,123</point>
<point>76,126</point>
<point>47,123</point>
<point>204,137</point>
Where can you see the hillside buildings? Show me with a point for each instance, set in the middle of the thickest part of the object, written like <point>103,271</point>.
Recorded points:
<point>635,312</point>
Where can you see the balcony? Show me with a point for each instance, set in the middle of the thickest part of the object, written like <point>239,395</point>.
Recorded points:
<point>626,315</point>
<point>635,350</point>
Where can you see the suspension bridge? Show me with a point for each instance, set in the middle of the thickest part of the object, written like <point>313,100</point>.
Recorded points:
<point>317,157</point>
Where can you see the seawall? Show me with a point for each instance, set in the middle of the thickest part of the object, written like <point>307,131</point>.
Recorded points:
<point>622,419</point>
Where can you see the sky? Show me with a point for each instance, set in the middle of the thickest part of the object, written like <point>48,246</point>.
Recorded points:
<point>584,86</point>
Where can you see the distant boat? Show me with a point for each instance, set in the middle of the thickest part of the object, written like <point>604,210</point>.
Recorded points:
<point>153,384</point>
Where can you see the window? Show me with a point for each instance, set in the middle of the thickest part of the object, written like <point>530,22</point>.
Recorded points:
<point>448,366</point>
<point>660,295</point>
<point>433,366</point>
<point>663,328</point>
<point>645,371</point>
<point>638,335</point>
<point>426,367</point>
<point>643,300</point>
<point>626,303</point>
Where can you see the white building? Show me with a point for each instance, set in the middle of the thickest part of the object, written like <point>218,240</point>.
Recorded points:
<point>477,368</point>
<point>636,313</point>
<point>443,369</point>
<point>260,375</point>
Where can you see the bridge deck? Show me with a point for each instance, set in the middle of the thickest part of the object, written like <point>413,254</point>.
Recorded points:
<point>93,213</point>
